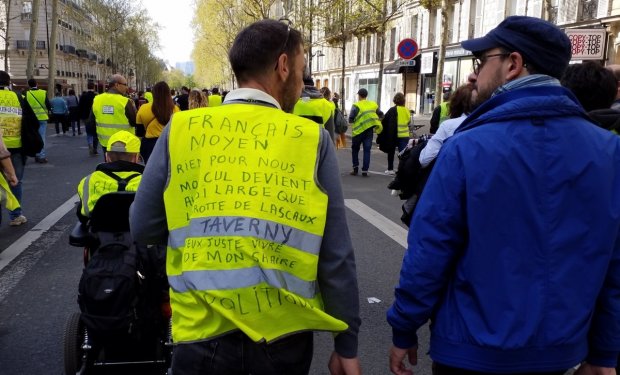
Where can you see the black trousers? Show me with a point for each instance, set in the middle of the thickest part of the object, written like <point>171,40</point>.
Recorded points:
<point>237,354</point>
<point>439,369</point>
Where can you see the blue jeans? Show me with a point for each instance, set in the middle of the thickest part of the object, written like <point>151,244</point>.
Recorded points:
<point>42,132</point>
<point>364,139</point>
<point>237,354</point>
<point>19,162</point>
<point>401,143</point>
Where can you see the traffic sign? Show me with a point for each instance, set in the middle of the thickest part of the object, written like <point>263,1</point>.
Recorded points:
<point>407,49</point>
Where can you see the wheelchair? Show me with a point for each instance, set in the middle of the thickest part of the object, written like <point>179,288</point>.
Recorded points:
<point>148,341</point>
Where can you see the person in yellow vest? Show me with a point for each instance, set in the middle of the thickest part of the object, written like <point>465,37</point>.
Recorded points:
<point>441,113</point>
<point>40,104</point>
<point>395,132</point>
<point>113,111</point>
<point>364,117</point>
<point>120,172</point>
<point>215,98</point>
<point>313,106</point>
<point>248,198</point>
<point>148,95</point>
<point>7,178</point>
<point>14,108</point>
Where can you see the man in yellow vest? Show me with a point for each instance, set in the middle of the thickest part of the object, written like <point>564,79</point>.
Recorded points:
<point>215,98</point>
<point>120,172</point>
<point>364,116</point>
<point>113,111</point>
<point>148,95</point>
<point>40,104</point>
<point>13,109</point>
<point>441,113</point>
<point>313,106</point>
<point>248,198</point>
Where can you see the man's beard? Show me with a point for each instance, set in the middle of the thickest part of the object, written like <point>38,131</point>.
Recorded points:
<point>485,93</point>
<point>290,95</point>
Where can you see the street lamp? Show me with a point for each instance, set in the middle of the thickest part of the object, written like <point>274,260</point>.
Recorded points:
<point>318,53</point>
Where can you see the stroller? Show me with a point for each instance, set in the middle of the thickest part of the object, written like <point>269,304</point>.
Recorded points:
<point>123,296</point>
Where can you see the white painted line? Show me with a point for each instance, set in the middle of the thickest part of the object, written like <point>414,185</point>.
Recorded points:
<point>385,225</point>
<point>35,233</point>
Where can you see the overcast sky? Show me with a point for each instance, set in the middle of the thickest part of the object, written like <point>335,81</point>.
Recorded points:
<point>175,33</point>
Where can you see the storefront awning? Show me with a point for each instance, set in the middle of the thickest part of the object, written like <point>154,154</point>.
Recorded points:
<point>403,66</point>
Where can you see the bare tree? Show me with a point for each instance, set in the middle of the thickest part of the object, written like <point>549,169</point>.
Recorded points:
<point>51,87</point>
<point>34,25</point>
<point>4,30</point>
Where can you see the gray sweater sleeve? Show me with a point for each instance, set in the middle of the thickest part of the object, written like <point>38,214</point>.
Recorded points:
<point>147,216</point>
<point>336,271</point>
<point>337,277</point>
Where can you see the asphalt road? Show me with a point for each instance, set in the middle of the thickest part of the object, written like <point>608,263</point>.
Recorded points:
<point>38,288</point>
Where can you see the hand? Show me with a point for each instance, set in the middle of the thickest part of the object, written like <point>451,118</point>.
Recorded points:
<point>11,179</point>
<point>397,356</point>
<point>588,369</point>
<point>344,366</point>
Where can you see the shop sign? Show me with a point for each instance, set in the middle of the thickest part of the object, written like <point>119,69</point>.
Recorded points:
<point>426,65</point>
<point>587,44</point>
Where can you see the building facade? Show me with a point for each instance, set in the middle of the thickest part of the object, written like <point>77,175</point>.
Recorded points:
<point>76,65</point>
<point>592,25</point>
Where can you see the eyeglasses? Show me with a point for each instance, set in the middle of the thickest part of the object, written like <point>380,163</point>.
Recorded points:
<point>479,62</point>
<point>288,33</point>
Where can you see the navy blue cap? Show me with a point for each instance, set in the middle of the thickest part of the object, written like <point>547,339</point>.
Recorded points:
<point>542,44</point>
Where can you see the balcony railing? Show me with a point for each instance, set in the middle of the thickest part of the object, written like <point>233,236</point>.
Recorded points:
<point>22,44</point>
<point>40,44</point>
<point>26,16</point>
<point>92,56</point>
<point>587,9</point>
<point>81,53</point>
<point>69,49</point>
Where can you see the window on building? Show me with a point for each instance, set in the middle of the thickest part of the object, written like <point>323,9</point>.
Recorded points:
<point>27,7</point>
<point>414,27</point>
<point>368,44</point>
<point>359,51</point>
<point>393,43</point>
<point>378,49</point>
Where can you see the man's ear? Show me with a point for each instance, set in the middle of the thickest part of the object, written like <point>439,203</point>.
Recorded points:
<point>283,70</point>
<point>516,66</point>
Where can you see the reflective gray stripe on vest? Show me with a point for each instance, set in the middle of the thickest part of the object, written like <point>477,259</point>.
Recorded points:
<point>85,196</point>
<point>241,278</point>
<point>246,227</point>
<point>111,126</point>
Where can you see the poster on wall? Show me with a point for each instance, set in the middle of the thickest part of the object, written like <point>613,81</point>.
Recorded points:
<point>587,44</point>
<point>426,65</point>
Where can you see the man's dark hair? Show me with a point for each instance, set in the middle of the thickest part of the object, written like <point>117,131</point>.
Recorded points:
<point>399,98</point>
<point>90,85</point>
<point>184,88</point>
<point>594,86</point>
<point>215,90</point>
<point>32,82</point>
<point>116,156</point>
<point>5,78</point>
<point>257,48</point>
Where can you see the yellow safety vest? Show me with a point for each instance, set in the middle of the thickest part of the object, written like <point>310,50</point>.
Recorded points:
<point>97,184</point>
<point>404,117</point>
<point>148,96</point>
<point>36,99</point>
<point>11,119</point>
<point>444,112</point>
<point>109,111</point>
<point>215,100</point>
<point>317,110</point>
<point>366,117</point>
<point>246,220</point>
<point>6,196</point>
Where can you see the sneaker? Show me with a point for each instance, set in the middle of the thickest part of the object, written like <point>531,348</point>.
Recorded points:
<point>40,160</point>
<point>390,172</point>
<point>354,171</point>
<point>364,174</point>
<point>21,219</point>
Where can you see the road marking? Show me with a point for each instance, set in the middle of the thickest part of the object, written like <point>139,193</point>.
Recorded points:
<point>8,255</point>
<point>385,225</point>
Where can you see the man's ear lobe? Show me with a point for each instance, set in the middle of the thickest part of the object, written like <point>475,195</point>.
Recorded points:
<point>283,69</point>
<point>516,67</point>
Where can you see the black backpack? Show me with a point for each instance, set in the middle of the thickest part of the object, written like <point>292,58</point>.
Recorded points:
<point>109,287</point>
<point>411,178</point>
<point>340,123</point>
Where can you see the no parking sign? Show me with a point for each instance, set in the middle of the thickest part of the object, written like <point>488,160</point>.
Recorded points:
<point>407,49</point>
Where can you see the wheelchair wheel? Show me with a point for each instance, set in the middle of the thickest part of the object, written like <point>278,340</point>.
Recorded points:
<point>72,342</point>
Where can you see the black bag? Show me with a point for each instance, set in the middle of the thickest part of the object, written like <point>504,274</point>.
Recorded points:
<point>109,288</point>
<point>32,143</point>
<point>340,123</point>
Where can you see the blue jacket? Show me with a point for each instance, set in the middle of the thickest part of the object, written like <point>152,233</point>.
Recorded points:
<point>514,248</point>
